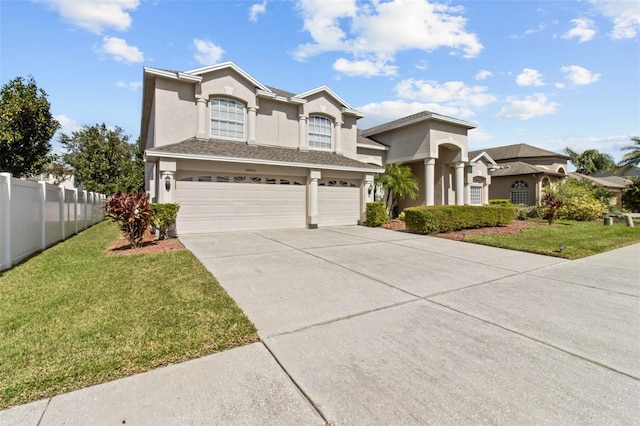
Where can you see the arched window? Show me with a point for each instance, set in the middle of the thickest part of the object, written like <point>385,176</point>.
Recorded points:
<point>519,192</point>
<point>320,130</point>
<point>227,118</point>
<point>561,170</point>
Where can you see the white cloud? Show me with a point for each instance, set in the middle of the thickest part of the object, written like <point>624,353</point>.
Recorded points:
<point>583,30</point>
<point>479,135</point>
<point>366,68</point>
<point>560,85</point>
<point>422,65</point>
<point>379,30</point>
<point>613,145</point>
<point>529,107</point>
<point>67,125</point>
<point>454,94</point>
<point>120,51</point>
<point>96,16</point>
<point>257,9</point>
<point>579,76</point>
<point>483,75</point>
<point>529,77</point>
<point>539,28</point>
<point>624,14</point>
<point>207,52</point>
<point>132,85</point>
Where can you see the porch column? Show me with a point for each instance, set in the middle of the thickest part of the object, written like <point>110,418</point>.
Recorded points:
<point>459,183</point>
<point>303,143</point>
<point>312,220</point>
<point>251,124</point>
<point>429,180</point>
<point>167,184</point>
<point>366,196</point>
<point>201,125</point>
<point>338,138</point>
<point>485,192</point>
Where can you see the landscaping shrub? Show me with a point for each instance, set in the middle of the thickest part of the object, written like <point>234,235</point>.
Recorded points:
<point>164,215</point>
<point>551,205</point>
<point>580,202</point>
<point>631,196</point>
<point>436,219</point>
<point>500,201</point>
<point>132,213</point>
<point>376,214</point>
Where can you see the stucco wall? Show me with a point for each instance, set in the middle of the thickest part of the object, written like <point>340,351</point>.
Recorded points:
<point>501,187</point>
<point>227,83</point>
<point>277,123</point>
<point>408,143</point>
<point>175,111</point>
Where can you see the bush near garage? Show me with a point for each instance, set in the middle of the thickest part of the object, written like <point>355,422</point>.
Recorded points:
<point>376,214</point>
<point>437,219</point>
<point>164,216</point>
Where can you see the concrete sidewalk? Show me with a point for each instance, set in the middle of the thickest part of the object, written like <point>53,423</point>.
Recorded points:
<point>369,326</point>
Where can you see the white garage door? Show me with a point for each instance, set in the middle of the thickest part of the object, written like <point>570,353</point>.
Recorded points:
<point>234,203</point>
<point>338,202</point>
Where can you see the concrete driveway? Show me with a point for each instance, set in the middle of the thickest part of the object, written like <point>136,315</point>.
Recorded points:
<point>384,327</point>
<point>364,326</point>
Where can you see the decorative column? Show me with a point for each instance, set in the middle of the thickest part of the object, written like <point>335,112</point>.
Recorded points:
<point>251,123</point>
<point>485,192</point>
<point>366,196</point>
<point>201,125</point>
<point>429,180</point>
<point>459,183</point>
<point>303,142</point>
<point>338,138</point>
<point>312,220</point>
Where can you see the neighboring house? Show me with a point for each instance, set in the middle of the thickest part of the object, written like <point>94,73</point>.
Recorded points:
<point>523,171</point>
<point>239,155</point>
<point>614,184</point>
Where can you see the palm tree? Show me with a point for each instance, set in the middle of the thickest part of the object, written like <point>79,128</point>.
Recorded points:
<point>399,182</point>
<point>632,158</point>
<point>591,161</point>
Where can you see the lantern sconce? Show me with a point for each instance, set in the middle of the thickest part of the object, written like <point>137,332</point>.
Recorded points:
<point>369,189</point>
<point>167,183</point>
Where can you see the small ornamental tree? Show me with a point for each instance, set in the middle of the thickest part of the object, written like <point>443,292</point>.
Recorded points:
<point>132,213</point>
<point>164,215</point>
<point>552,205</point>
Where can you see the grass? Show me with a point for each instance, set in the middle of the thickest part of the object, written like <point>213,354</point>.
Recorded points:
<point>580,239</point>
<point>74,316</point>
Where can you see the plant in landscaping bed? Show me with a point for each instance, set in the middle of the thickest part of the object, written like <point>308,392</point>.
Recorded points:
<point>552,204</point>
<point>376,214</point>
<point>164,216</point>
<point>500,201</point>
<point>436,219</point>
<point>132,213</point>
<point>580,201</point>
<point>399,182</point>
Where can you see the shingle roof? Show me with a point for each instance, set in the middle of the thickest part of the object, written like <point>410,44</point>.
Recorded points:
<point>281,92</point>
<point>515,168</point>
<point>632,172</point>
<point>520,150</point>
<point>603,181</point>
<point>366,141</point>
<point>220,149</point>
<point>424,115</point>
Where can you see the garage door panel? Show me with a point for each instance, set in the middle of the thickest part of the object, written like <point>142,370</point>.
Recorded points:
<point>338,206</point>
<point>212,206</point>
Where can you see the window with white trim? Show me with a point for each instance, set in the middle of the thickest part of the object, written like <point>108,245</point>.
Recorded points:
<point>227,118</point>
<point>320,130</point>
<point>519,192</point>
<point>475,195</point>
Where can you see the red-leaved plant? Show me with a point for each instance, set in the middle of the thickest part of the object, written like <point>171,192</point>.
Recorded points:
<point>132,213</point>
<point>552,205</point>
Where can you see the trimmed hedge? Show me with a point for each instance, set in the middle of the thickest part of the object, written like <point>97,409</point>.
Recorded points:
<point>436,219</point>
<point>500,201</point>
<point>376,214</point>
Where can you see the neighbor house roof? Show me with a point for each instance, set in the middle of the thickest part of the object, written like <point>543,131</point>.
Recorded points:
<point>416,118</point>
<point>604,182</point>
<point>214,149</point>
<point>632,172</point>
<point>516,151</point>
<point>515,168</point>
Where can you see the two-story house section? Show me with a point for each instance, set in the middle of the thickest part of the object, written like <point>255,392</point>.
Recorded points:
<point>239,155</point>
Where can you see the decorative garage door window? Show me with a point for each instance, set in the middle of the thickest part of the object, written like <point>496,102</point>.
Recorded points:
<point>243,179</point>
<point>338,183</point>
<point>227,118</point>
<point>519,192</point>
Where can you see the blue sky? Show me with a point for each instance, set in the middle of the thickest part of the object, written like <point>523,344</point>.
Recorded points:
<point>547,73</point>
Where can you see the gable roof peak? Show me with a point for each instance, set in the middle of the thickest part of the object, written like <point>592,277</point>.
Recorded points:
<point>233,66</point>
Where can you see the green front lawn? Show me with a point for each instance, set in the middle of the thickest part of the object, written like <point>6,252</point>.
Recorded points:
<point>581,239</point>
<point>74,316</point>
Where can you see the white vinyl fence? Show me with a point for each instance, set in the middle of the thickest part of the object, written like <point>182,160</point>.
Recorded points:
<point>37,215</point>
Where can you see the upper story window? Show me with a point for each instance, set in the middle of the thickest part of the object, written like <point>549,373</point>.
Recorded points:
<point>227,118</point>
<point>320,130</point>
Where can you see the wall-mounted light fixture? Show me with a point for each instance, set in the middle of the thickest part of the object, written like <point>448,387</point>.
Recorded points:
<point>167,183</point>
<point>369,189</point>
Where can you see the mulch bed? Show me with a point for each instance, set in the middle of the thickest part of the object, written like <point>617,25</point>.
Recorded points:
<point>148,245</point>
<point>514,227</point>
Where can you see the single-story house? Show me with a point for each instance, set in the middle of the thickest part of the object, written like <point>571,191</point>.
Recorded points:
<point>239,155</point>
<point>523,171</point>
<point>614,184</point>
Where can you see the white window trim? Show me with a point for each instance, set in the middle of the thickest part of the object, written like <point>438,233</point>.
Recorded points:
<point>244,119</point>
<point>331,127</point>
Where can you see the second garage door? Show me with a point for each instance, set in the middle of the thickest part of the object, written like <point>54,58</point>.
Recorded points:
<point>338,202</point>
<point>238,203</point>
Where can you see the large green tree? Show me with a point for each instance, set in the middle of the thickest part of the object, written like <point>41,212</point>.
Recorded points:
<point>631,158</point>
<point>398,182</point>
<point>26,127</point>
<point>103,160</point>
<point>591,161</point>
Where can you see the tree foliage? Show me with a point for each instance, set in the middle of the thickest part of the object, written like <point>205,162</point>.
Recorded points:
<point>399,182</point>
<point>631,196</point>
<point>26,127</point>
<point>103,160</point>
<point>591,161</point>
<point>631,158</point>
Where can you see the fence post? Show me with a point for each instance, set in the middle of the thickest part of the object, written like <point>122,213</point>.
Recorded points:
<point>5,227</point>
<point>84,209</point>
<point>75,210</point>
<point>43,200</point>
<point>62,212</point>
